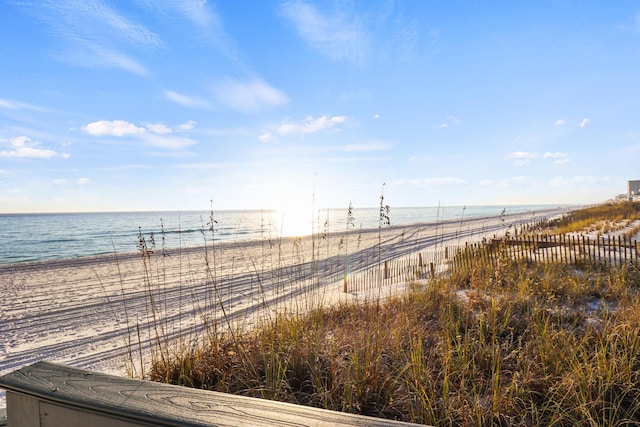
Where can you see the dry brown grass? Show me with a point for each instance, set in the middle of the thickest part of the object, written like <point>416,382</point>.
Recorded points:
<point>543,345</point>
<point>514,343</point>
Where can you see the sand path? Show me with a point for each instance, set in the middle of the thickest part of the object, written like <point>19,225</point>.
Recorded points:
<point>89,312</point>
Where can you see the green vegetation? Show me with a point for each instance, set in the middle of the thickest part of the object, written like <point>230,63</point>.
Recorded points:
<point>504,343</point>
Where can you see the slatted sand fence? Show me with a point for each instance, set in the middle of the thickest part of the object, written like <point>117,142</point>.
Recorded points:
<point>423,265</point>
<point>615,251</point>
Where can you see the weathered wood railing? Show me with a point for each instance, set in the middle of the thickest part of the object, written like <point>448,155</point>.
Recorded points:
<point>47,394</point>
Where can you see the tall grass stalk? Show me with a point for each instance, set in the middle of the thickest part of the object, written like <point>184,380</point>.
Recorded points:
<point>510,342</point>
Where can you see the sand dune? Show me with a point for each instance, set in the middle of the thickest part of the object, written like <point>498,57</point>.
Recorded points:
<point>89,312</point>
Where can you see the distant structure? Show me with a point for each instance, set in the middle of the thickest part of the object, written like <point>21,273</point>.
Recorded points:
<point>633,190</point>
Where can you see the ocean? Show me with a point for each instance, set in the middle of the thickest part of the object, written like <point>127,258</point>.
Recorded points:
<point>40,237</point>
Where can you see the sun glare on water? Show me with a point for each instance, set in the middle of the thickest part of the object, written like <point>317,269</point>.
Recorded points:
<point>295,219</point>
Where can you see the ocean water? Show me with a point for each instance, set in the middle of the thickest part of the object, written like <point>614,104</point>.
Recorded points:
<point>39,237</point>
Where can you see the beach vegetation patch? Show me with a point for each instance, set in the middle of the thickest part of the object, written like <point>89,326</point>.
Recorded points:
<point>496,341</point>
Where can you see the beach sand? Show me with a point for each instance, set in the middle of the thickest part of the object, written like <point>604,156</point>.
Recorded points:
<point>96,313</point>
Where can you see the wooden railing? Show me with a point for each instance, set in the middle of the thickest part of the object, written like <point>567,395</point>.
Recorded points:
<point>47,394</point>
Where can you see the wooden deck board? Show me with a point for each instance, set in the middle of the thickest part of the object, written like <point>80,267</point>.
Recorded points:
<point>149,403</point>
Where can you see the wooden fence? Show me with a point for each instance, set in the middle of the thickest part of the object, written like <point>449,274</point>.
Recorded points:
<point>394,271</point>
<point>573,249</point>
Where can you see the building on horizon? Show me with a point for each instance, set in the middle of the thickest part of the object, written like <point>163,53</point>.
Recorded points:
<point>633,190</point>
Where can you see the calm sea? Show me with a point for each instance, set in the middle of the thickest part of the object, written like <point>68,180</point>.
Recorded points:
<point>38,237</point>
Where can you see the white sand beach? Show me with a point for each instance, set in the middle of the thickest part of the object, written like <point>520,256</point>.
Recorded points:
<point>97,312</point>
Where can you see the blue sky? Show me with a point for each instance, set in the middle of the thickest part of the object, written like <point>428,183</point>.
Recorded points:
<point>153,105</point>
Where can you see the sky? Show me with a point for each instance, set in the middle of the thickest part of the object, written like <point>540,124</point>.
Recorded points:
<point>147,105</point>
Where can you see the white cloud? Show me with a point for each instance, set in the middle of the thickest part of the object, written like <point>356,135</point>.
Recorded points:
<point>376,116</point>
<point>185,100</point>
<point>581,180</point>
<point>434,182</point>
<point>186,126</point>
<point>373,146</point>
<point>523,158</point>
<point>170,142</point>
<point>198,12</point>
<point>158,128</point>
<point>339,36</point>
<point>155,134</point>
<point>15,105</point>
<point>560,122</point>
<point>558,158</point>
<point>113,128</point>
<point>267,137</point>
<point>486,183</point>
<point>311,125</point>
<point>7,104</point>
<point>249,96</point>
<point>450,120</point>
<point>516,182</point>
<point>584,122</point>
<point>63,181</point>
<point>24,147</point>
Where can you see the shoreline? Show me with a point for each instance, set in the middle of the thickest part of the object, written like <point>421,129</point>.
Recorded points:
<point>114,256</point>
<point>83,311</point>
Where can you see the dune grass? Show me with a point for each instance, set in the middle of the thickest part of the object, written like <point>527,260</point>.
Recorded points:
<point>602,216</point>
<point>510,343</point>
<point>543,345</point>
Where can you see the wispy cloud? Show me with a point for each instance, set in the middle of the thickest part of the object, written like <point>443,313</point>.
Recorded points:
<point>310,125</point>
<point>250,96</point>
<point>372,146</point>
<point>158,128</point>
<point>432,182</point>
<point>202,17</point>
<point>560,122</point>
<point>449,121</point>
<point>520,181</point>
<point>64,181</point>
<point>169,142</point>
<point>584,122</point>
<point>187,126</point>
<point>95,33</point>
<point>339,36</point>
<point>581,180</point>
<point>558,158</point>
<point>186,100</point>
<point>523,158</point>
<point>16,105</point>
<point>198,12</point>
<point>24,147</point>
<point>155,134</point>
